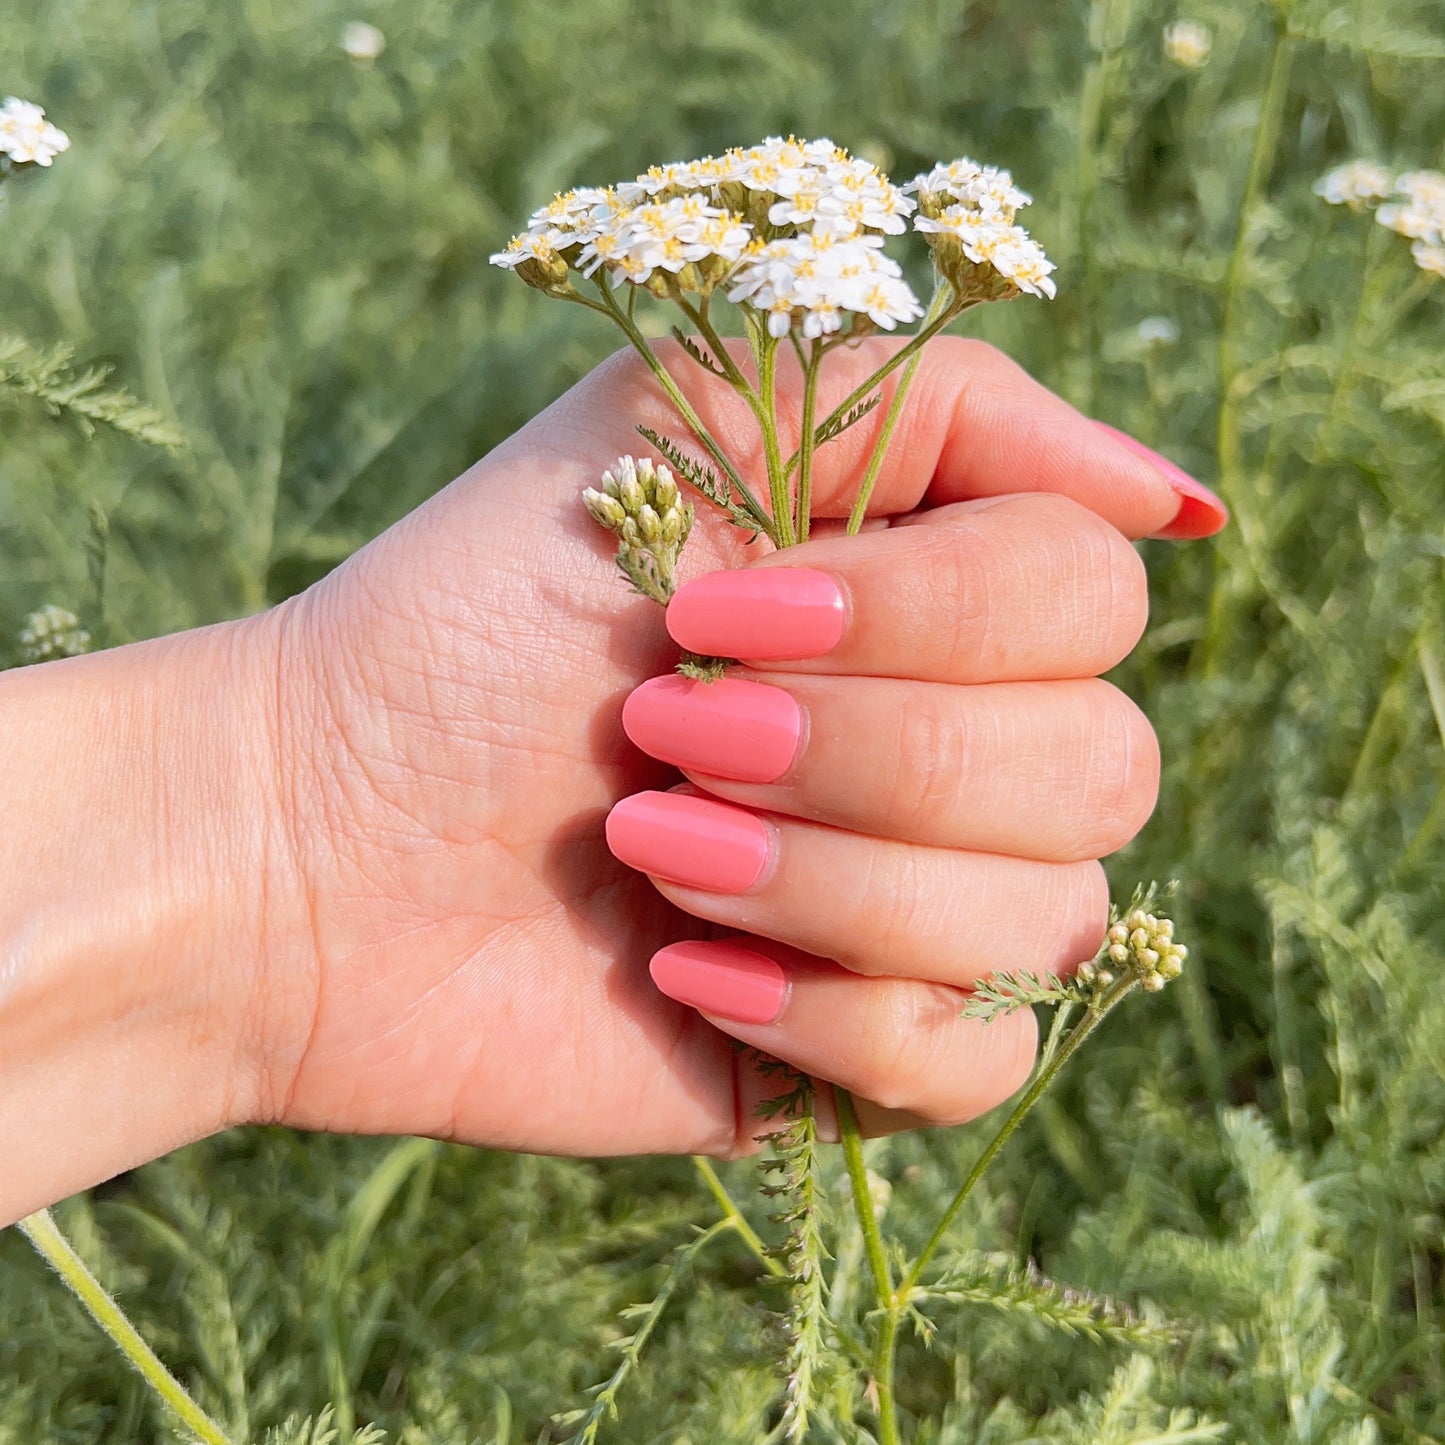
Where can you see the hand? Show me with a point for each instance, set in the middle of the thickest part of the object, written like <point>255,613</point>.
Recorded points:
<point>343,865</point>
<point>464,958</point>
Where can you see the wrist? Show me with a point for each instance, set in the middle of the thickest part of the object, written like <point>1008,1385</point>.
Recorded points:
<point>135,900</point>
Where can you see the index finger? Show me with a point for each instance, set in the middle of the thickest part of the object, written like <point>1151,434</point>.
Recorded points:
<point>977,425</point>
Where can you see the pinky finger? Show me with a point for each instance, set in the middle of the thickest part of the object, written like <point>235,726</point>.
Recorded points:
<point>900,1044</point>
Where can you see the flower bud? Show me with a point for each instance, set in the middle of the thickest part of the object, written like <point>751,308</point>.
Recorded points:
<point>1119,933</point>
<point>676,524</point>
<point>604,509</point>
<point>665,494</point>
<point>1149,958</point>
<point>52,632</point>
<point>1151,982</point>
<point>1118,953</point>
<point>649,523</point>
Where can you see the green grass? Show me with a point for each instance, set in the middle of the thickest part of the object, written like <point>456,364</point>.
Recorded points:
<point>286,254</point>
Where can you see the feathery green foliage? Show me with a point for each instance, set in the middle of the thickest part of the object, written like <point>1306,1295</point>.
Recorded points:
<point>286,252</point>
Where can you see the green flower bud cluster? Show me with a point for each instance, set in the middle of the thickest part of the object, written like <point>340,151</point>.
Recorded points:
<point>1141,944</point>
<point>641,502</point>
<point>52,632</point>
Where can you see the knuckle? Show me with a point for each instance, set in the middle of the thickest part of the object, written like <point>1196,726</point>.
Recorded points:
<point>1119,775</point>
<point>904,1048</point>
<point>1007,1060</point>
<point>929,762</point>
<point>1094,577</point>
<point>902,912</point>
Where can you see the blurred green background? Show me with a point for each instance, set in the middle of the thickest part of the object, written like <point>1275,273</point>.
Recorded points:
<point>285,250</point>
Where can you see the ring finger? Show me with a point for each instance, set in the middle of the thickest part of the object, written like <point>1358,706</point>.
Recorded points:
<point>876,906</point>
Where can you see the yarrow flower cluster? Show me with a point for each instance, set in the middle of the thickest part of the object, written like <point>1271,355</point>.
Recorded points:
<point>1188,43</point>
<point>821,277</point>
<point>1415,209</point>
<point>26,137</point>
<point>642,503</point>
<point>51,632</point>
<point>793,234</point>
<point>967,210</point>
<point>1141,944</point>
<point>793,228</point>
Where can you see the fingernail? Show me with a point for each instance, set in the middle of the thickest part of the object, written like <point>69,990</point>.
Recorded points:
<point>693,841</point>
<point>760,613</point>
<point>1200,514</point>
<point>722,979</point>
<point>746,731</point>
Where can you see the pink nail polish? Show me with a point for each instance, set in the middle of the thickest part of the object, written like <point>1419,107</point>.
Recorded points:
<point>746,731</point>
<point>693,841</point>
<point>762,613</point>
<point>1201,513</point>
<point>723,979</point>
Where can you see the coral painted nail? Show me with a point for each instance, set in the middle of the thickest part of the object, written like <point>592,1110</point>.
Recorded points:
<point>1201,513</point>
<point>693,841</point>
<point>762,613</point>
<point>722,979</point>
<point>746,731</point>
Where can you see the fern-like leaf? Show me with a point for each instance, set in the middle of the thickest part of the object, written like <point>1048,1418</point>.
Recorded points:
<point>702,479</point>
<point>793,1172</point>
<point>704,669</point>
<point>585,1423</point>
<point>1026,1292</point>
<point>703,359</point>
<point>1003,993</point>
<point>319,1430</point>
<point>52,378</point>
<point>836,426</point>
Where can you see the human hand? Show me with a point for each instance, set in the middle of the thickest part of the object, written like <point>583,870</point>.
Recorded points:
<point>458,954</point>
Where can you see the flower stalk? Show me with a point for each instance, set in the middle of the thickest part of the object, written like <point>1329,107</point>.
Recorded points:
<point>53,1247</point>
<point>791,234</point>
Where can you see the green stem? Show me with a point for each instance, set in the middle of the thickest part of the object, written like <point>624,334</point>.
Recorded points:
<point>729,1208</point>
<point>916,343</point>
<point>888,1301</point>
<point>1066,1050</point>
<point>1266,139</point>
<point>807,442</point>
<point>938,308</point>
<point>755,508</point>
<point>1106,29</point>
<point>699,317</point>
<point>1373,277</point>
<point>1226,595</point>
<point>41,1230</point>
<point>783,536</point>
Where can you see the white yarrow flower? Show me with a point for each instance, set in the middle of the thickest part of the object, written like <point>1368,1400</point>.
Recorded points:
<point>1188,43</point>
<point>1420,216</point>
<point>1021,259</point>
<point>51,632</point>
<point>526,247</point>
<point>814,279</point>
<point>1429,256</point>
<point>1355,184</point>
<point>1158,331</point>
<point>362,42</point>
<point>26,137</point>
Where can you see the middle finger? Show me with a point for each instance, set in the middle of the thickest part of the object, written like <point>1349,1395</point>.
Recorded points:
<point>1060,771</point>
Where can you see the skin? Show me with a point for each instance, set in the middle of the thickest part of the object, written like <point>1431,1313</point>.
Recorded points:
<point>341,865</point>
